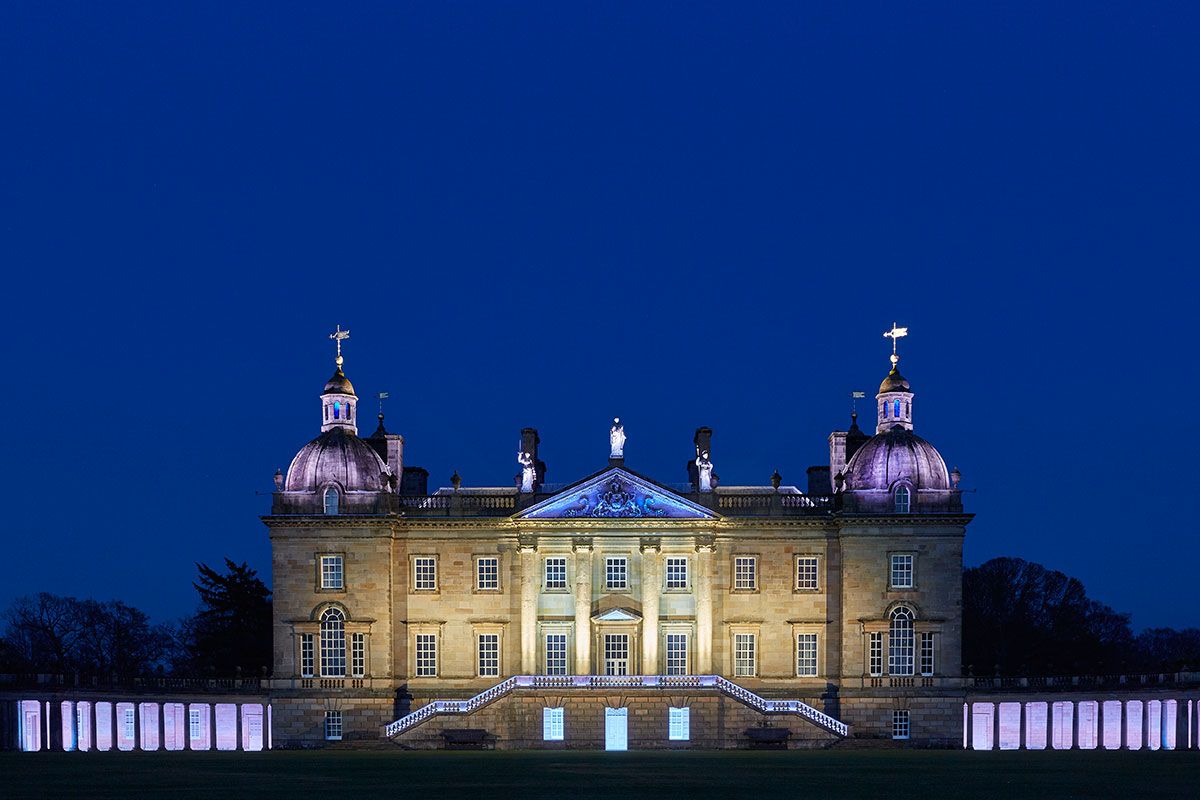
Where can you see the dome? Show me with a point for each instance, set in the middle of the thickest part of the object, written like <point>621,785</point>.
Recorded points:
<point>339,384</point>
<point>896,454</point>
<point>894,382</point>
<point>336,456</point>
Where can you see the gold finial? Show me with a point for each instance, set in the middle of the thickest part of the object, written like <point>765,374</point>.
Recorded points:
<point>337,336</point>
<point>894,334</point>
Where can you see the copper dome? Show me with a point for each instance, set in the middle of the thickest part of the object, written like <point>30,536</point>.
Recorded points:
<point>897,454</point>
<point>336,457</point>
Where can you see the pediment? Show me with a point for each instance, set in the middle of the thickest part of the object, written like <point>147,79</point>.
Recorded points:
<point>618,615</point>
<point>616,493</point>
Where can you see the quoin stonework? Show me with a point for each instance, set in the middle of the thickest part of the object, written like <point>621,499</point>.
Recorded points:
<point>617,610</point>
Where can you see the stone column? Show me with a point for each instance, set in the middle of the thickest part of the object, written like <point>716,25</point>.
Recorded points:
<point>237,727</point>
<point>212,726</point>
<point>1181,724</point>
<point>970,724</point>
<point>1075,706</point>
<point>1023,724</point>
<point>704,608</point>
<point>137,726</point>
<point>583,607</point>
<point>651,589</point>
<point>1050,724</point>
<point>529,600</point>
<point>996,725</point>
<point>1102,713</point>
<point>162,726</point>
<point>1145,724</point>
<point>93,728</point>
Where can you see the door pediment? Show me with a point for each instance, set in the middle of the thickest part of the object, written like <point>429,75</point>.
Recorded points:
<point>616,494</point>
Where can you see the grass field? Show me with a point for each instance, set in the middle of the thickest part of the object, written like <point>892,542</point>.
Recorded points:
<point>583,775</point>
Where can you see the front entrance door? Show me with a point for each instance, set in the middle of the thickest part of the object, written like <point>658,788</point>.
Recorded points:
<point>616,729</point>
<point>616,654</point>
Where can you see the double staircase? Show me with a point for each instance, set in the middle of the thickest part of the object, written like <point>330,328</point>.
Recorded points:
<point>608,682</point>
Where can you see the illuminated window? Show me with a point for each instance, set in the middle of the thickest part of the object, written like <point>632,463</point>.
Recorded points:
<point>744,655</point>
<point>556,573</point>
<point>677,652</point>
<point>333,725</point>
<point>903,499</point>
<point>425,574</point>
<point>806,655</point>
<point>900,642</point>
<point>337,410</point>
<point>333,644</point>
<point>552,724</point>
<point>306,655</point>
<point>875,658</point>
<point>348,410</point>
<point>194,724</point>
<point>902,571</point>
<point>745,573</point>
<point>926,653</point>
<point>679,724</point>
<point>489,655</point>
<point>358,655</point>
<point>901,724</point>
<point>616,654</point>
<point>331,572</point>
<point>806,573</point>
<point>556,654</point>
<point>885,409</point>
<point>677,573</point>
<point>331,501</point>
<point>129,723</point>
<point>616,574</point>
<point>426,655</point>
<point>487,574</point>
<point>896,412</point>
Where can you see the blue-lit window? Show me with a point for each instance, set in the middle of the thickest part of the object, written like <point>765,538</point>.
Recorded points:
<point>331,501</point>
<point>903,500</point>
<point>337,410</point>
<point>885,409</point>
<point>896,413</point>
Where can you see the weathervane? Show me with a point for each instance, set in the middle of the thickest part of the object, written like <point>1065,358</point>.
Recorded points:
<point>382,396</point>
<point>337,337</point>
<point>854,398</point>
<point>894,334</point>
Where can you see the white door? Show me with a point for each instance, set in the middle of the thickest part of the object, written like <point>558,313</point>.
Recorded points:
<point>616,729</point>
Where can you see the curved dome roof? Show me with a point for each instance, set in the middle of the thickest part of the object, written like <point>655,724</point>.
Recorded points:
<point>339,384</point>
<point>336,456</point>
<point>894,382</point>
<point>896,454</point>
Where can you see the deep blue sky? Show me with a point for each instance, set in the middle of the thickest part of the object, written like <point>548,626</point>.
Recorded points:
<point>685,214</point>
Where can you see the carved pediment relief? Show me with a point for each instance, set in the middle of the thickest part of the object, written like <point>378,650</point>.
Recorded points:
<point>616,494</point>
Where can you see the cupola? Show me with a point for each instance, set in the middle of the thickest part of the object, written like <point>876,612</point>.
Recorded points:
<point>894,401</point>
<point>339,403</point>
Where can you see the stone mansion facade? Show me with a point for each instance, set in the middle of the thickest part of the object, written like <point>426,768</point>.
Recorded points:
<point>617,611</point>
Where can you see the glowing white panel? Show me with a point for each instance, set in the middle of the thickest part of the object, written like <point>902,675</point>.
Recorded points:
<point>1064,715</point>
<point>1010,726</point>
<point>1154,709</point>
<point>252,726</point>
<point>1111,735</point>
<point>1170,709</point>
<point>199,726</point>
<point>226,726</point>
<point>149,726</point>
<point>981,721</point>
<point>126,735</point>
<point>174,726</point>
<point>1089,722</point>
<point>30,725</point>
<point>104,732</point>
<point>83,726</point>
<point>1035,726</point>
<point>1133,724</point>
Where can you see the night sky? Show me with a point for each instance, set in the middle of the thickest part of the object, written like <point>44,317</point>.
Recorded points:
<point>683,214</point>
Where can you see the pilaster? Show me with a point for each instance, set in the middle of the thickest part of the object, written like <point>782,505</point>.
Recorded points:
<point>704,608</point>
<point>651,590</point>
<point>583,606</point>
<point>528,607</point>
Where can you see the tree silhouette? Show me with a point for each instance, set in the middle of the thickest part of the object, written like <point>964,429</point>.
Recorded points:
<point>232,628</point>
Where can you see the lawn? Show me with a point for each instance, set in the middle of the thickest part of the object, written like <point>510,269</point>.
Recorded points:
<point>583,775</point>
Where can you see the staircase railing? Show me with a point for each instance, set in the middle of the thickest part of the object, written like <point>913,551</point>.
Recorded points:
<point>723,685</point>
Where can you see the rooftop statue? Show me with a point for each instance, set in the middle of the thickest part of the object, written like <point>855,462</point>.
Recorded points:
<point>616,439</point>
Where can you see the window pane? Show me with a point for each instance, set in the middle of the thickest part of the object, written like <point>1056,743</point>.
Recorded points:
<point>333,725</point>
<point>679,724</point>
<point>677,573</point>
<point>677,647</point>
<point>902,572</point>
<point>425,570</point>
<point>552,724</point>
<point>926,653</point>
<point>876,654</point>
<point>806,654</point>
<point>331,572</point>
<point>556,573</point>
<point>426,655</point>
<point>358,655</point>
<point>489,655</point>
<point>900,643</point>
<point>745,572</point>
<point>900,724</point>
<point>615,572</point>
<point>806,572</point>
<point>306,655</point>
<point>556,654</point>
<point>487,573</point>
<point>333,644</point>
<point>743,654</point>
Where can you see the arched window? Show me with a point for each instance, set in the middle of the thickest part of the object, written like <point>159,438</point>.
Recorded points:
<point>337,410</point>
<point>333,644</point>
<point>885,409</point>
<point>331,501</point>
<point>903,500</point>
<point>896,413</point>
<point>900,642</point>
<point>347,412</point>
